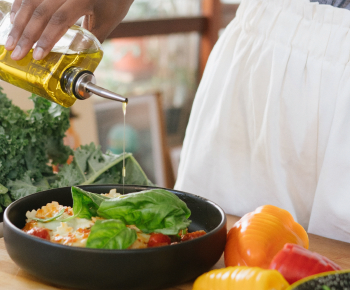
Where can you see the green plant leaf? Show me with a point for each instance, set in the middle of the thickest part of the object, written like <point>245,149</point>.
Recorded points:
<point>67,176</point>
<point>30,141</point>
<point>111,176</point>
<point>155,210</point>
<point>134,173</point>
<point>22,187</point>
<point>110,234</point>
<point>5,200</point>
<point>3,189</point>
<point>98,163</point>
<point>85,204</point>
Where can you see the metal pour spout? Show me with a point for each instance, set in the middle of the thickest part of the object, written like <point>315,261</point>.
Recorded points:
<point>84,85</point>
<point>89,86</point>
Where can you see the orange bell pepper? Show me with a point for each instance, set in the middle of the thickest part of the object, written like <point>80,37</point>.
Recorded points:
<point>258,236</point>
<point>241,278</point>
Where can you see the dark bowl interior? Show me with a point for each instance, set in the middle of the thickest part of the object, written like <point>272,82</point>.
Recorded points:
<point>152,268</point>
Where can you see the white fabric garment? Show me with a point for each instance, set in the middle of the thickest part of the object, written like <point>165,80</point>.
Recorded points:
<point>270,123</point>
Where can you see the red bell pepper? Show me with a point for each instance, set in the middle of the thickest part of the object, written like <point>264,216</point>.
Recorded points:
<point>295,262</point>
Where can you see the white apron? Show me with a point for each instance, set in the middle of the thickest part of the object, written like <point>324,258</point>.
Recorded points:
<point>270,123</point>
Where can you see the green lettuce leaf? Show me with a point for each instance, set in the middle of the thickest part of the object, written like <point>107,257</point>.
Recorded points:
<point>155,210</point>
<point>110,234</point>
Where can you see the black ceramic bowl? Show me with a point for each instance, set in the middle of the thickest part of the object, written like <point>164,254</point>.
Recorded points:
<point>152,268</point>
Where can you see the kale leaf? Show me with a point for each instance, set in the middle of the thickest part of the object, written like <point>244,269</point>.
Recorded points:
<point>91,166</point>
<point>31,141</point>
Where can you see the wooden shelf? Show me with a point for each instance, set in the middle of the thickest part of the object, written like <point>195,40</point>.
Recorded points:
<point>160,26</point>
<point>215,16</point>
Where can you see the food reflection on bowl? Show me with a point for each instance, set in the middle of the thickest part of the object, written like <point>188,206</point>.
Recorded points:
<point>151,268</point>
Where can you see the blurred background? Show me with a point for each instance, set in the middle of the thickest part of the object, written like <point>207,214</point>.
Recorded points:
<point>156,58</point>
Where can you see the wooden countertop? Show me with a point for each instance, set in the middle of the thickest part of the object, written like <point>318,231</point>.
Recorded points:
<point>14,278</point>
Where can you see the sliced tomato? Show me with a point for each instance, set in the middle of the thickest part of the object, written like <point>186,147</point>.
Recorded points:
<point>40,233</point>
<point>158,240</point>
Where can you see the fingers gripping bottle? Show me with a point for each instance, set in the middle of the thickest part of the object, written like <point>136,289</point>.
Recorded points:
<point>64,75</point>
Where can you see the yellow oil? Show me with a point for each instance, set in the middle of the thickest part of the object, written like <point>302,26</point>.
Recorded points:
<point>43,77</point>
<point>124,170</point>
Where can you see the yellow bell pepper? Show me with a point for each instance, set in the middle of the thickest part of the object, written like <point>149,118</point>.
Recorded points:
<point>241,278</point>
<point>258,236</point>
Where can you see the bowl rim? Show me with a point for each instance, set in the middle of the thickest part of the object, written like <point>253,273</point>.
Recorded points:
<point>8,223</point>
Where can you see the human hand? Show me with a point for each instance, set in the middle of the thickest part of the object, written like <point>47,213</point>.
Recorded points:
<point>46,21</point>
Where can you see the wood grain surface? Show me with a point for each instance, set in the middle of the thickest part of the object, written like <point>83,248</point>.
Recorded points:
<point>14,278</point>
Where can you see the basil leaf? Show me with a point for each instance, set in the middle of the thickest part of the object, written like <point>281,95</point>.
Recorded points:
<point>85,204</point>
<point>110,234</point>
<point>51,218</point>
<point>155,210</point>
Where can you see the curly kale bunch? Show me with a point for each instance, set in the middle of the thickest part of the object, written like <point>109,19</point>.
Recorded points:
<point>29,142</point>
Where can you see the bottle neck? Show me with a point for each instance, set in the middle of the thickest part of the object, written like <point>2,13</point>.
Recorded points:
<point>82,84</point>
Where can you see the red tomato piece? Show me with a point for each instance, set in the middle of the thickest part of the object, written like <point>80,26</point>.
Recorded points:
<point>158,239</point>
<point>191,236</point>
<point>295,263</point>
<point>40,233</point>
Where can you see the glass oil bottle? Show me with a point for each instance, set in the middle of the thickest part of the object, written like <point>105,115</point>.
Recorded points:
<point>64,75</point>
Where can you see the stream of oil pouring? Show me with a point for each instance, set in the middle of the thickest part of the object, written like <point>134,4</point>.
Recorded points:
<point>124,170</point>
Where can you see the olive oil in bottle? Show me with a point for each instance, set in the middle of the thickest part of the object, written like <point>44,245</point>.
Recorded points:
<point>64,75</point>
<point>43,77</point>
